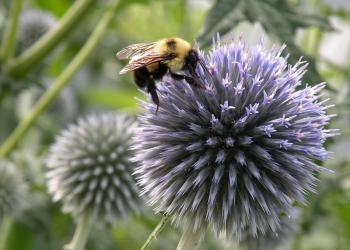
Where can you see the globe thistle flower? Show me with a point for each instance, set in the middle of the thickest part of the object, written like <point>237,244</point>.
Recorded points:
<point>89,167</point>
<point>12,189</point>
<point>238,153</point>
<point>33,24</point>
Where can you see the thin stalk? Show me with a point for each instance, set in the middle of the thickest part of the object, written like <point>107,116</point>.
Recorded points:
<point>81,234</point>
<point>296,244</point>
<point>310,41</point>
<point>31,57</point>
<point>155,232</point>
<point>5,229</point>
<point>7,46</point>
<point>60,82</point>
<point>190,240</point>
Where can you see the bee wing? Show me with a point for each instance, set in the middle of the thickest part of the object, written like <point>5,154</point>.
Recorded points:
<point>145,59</point>
<point>135,50</point>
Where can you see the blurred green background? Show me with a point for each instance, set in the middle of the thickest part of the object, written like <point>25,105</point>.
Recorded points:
<point>317,29</point>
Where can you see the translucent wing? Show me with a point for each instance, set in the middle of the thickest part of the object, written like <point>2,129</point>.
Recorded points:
<point>144,59</point>
<point>135,50</point>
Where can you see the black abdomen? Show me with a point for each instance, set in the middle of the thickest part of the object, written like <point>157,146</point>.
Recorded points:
<point>160,71</point>
<point>141,77</point>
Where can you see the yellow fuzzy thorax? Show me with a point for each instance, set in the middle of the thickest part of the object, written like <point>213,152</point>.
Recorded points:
<point>176,46</point>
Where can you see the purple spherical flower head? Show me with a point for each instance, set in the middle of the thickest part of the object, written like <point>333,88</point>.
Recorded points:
<point>238,153</point>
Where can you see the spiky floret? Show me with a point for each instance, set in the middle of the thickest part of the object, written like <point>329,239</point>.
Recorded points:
<point>89,168</point>
<point>272,240</point>
<point>239,153</point>
<point>32,25</point>
<point>12,189</point>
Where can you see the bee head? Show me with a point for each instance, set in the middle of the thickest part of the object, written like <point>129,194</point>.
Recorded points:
<point>191,61</point>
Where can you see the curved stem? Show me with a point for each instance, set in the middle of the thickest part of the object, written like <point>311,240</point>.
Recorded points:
<point>60,82</point>
<point>8,42</point>
<point>190,240</point>
<point>31,57</point>
<point>81,234</point>
<point>296,243</point>
<point>155,232</point>
<point>5,229</point>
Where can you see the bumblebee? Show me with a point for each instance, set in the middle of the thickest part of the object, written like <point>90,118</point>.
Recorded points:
<point>151,61</point>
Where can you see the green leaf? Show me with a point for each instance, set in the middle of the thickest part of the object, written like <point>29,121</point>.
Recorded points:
<point>221,18</point>
<point>125,3</point>
<point>276,17</point>
<point>342,207</point>
<point>19,231</point>
<point>57,7</point>
<point>282,22</point>
<point>110,98</point>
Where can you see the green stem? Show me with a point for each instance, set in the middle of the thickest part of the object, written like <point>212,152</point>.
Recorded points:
<point>8,42</point>
<point>190,240</point>
<point>343,70</point>
<point>311,37</point>
<point>155,232</point>
<point>31,57</point>
<point>5,229</point>
<point>60,82</point>
<point>296,244</point>
<point>81,234</point>
<point>310,41</point>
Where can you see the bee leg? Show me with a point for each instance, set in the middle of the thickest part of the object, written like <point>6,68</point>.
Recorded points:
<point>151,88</point>
<point>190,80</point>
<point>192,71</point>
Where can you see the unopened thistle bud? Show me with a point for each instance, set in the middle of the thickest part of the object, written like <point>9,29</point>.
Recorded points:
<point>12,189</point>
<point>33,24</point>
<point>89,168</point>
